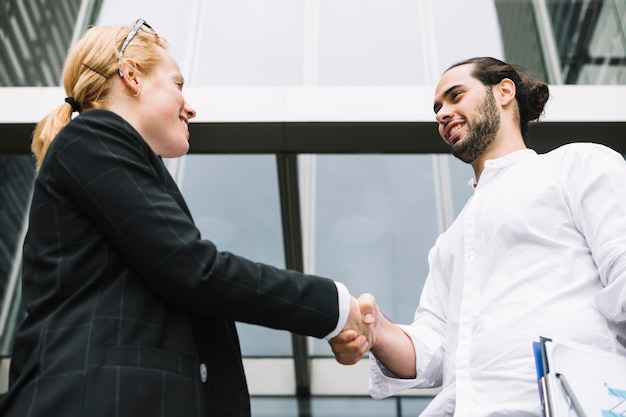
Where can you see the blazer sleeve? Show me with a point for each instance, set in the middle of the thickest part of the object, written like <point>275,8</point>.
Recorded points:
<point>109,173</point>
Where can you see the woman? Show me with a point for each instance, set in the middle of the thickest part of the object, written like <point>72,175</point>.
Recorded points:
<point>129,311</point>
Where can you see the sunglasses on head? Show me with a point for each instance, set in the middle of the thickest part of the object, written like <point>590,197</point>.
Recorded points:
<point>138,24</point>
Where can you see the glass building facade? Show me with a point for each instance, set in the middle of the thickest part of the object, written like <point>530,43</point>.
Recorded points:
<point>301,156</point>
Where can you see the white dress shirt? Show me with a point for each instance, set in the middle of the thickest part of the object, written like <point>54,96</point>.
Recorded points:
<point>344,309</point>
<point>538,250</point>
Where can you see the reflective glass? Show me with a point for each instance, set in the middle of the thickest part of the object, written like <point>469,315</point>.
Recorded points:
<point>413,406</point>
<point>367,43</point>
<point>603,74</point>
<point>300,42</point>
<point>17,173</point>
<point>372,226</point>
<point>250,43</point>
<point>479,36</point>
<point>35,37</point>
<point>460,176</point>
<point>607,42</point>
<point>235,203</point>
<point>173,23</point>
<point>353,407</point>
<point>371,222</point>
<point>16,179</point>
<point>339,407</point>
<point>274,407</point>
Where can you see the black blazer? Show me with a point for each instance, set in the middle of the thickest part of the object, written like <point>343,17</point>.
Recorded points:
<point>129,311</point>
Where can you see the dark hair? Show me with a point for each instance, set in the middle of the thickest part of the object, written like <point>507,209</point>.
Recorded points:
<point>531,93</point>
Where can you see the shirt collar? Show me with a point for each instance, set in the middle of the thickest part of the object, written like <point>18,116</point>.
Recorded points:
<point>510,159</point>
<point>493,165</point>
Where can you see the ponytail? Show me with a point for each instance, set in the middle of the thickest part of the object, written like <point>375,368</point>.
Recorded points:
<point>47,129</point>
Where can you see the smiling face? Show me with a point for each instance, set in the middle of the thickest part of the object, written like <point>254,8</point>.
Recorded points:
<point>467,114</point>
<point>163,112</point>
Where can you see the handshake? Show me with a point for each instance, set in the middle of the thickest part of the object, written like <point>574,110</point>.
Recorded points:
<point>359,333</point>
<point>367,329</point>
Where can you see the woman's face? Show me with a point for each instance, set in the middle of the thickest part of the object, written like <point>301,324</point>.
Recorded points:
<point>163,112</point>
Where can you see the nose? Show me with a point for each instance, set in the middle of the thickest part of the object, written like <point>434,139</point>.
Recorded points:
<point>190,111</point>
<point>444,114</point>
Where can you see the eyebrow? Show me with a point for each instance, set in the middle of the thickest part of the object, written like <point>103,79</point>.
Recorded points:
<point>446,93</point>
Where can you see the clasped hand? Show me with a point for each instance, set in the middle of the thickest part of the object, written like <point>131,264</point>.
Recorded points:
<point>358,335</point>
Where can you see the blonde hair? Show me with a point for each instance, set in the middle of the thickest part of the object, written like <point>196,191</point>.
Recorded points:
<point>89,69</point>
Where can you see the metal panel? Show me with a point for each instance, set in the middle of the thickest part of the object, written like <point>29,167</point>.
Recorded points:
<point>589,37</point>
<point>336,120</point>
<point>35,37</point>
<point>520,36</point>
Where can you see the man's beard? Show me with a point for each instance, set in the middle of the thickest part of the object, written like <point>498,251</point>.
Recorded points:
<point>481,132</point>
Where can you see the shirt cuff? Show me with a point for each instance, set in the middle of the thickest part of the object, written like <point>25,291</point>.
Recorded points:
<point>343,296</point>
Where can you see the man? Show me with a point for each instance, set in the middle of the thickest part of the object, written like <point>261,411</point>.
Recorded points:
<point>539,250</point>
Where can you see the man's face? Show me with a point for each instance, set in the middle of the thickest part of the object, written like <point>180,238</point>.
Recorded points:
<point>467,113</point>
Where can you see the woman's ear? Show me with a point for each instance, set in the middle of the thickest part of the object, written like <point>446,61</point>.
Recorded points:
<point>130,75</point>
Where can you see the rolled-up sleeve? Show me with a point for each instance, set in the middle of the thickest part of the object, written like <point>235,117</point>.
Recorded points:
<point>427,343</point>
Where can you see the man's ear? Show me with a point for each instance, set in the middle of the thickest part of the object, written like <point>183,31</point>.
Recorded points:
<point>130,75</point>
<point>505,91</point>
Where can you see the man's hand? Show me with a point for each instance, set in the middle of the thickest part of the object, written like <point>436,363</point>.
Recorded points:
<point>357,336</point>
<point>388,342</point>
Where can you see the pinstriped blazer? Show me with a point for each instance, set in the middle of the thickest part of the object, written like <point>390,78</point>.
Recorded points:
<point>129,311</point>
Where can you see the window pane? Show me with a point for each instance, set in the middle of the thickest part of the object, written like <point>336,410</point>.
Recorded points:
<point>16,180</point>
<point>171,22</point>
<point>460,175</point>
<point>413,406</point>
<point>235,204</point>
<point>368,43</point>
<point>250,43</point>
<point>35,37</point>
<point>373,220</point>
<point>273,407</point>
<point>353,407</point>
<point>478,35</point>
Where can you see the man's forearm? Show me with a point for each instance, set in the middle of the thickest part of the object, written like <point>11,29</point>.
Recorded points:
<point>394,349</point>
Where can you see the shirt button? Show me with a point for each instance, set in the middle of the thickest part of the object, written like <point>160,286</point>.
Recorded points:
<point>203,373</point>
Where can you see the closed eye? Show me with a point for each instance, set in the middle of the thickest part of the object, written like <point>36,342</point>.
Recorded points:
<point>179,81</point>
<point>451,94</point>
